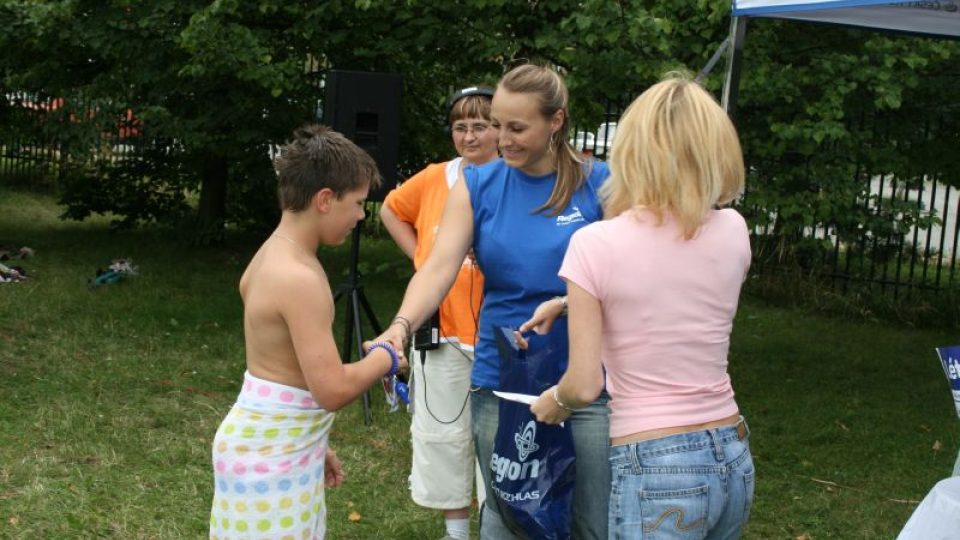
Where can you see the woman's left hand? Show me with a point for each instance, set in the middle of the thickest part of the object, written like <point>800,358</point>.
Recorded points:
<point>547,410</point>
<point>542,320</point>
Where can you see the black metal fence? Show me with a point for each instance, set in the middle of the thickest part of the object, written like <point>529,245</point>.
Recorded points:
<point>909,257</point>
<point>31,151</point>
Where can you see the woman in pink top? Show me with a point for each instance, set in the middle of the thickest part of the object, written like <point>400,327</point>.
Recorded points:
<point>652,292</point>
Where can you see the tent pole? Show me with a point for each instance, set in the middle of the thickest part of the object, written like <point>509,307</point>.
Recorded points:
<point>731,87</point>
<point>721,51</point>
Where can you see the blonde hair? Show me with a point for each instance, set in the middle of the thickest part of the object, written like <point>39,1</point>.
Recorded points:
<point>676,151</point>
<point>551,92</point>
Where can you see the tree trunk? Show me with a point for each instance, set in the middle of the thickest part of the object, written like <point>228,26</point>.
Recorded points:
<point>213,195</point>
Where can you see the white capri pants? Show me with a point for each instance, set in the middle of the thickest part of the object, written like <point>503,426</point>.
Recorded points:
<point>444,463</point>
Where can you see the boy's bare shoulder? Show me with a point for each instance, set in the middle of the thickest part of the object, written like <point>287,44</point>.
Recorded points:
<point>284,276</point>
<point>292,278</point>
<point>294,274</point>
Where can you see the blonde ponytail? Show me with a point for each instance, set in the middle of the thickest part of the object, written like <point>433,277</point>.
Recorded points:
<point>551,92</point>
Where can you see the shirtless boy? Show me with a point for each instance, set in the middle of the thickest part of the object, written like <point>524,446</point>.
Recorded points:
<point>270,454</point>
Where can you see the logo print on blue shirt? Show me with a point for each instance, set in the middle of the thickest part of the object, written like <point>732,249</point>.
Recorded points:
<point>574,217</point>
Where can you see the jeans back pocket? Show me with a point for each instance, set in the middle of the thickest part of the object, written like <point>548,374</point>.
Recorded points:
<point>674,513</point>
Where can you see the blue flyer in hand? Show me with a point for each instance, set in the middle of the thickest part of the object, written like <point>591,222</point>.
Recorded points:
<point>950,358</point>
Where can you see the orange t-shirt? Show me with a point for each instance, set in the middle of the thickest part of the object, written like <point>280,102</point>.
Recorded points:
<point>420,201</point>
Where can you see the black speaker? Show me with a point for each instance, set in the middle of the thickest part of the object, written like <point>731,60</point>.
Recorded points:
<point>365,107</point>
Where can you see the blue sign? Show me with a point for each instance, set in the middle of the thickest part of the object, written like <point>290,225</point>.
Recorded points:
<point>950,358</point>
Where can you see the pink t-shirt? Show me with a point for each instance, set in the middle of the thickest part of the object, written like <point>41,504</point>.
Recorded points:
<point>668,307</point>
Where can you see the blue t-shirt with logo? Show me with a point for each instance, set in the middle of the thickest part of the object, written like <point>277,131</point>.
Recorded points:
<point>520,251</point>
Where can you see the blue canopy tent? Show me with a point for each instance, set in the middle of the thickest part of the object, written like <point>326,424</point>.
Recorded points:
<point>936,18</point>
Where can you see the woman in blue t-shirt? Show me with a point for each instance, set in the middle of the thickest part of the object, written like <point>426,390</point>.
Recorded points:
<point>518,214</point>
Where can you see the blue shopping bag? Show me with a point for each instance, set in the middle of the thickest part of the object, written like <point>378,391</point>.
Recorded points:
<point>533,463</point>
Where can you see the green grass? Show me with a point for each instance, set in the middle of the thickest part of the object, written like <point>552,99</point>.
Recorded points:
<point>109,398</point>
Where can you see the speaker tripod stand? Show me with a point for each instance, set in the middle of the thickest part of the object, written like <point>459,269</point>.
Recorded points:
<point>353,327</point>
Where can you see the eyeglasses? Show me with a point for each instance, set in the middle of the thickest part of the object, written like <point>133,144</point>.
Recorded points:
<point>477,129</point>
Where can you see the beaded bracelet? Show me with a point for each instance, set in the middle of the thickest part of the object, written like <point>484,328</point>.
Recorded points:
<point>394,359</point>
<point>556,397</point>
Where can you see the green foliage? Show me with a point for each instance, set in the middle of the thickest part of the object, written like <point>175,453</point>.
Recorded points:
<point>223,79</point>
<point>254,205</point>
<point>212,89</point>
<point>825,110</point>
<point>113,189</point>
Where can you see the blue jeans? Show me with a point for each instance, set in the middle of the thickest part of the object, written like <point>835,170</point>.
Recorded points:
<point>691,485</point>
<point>591,442</point>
